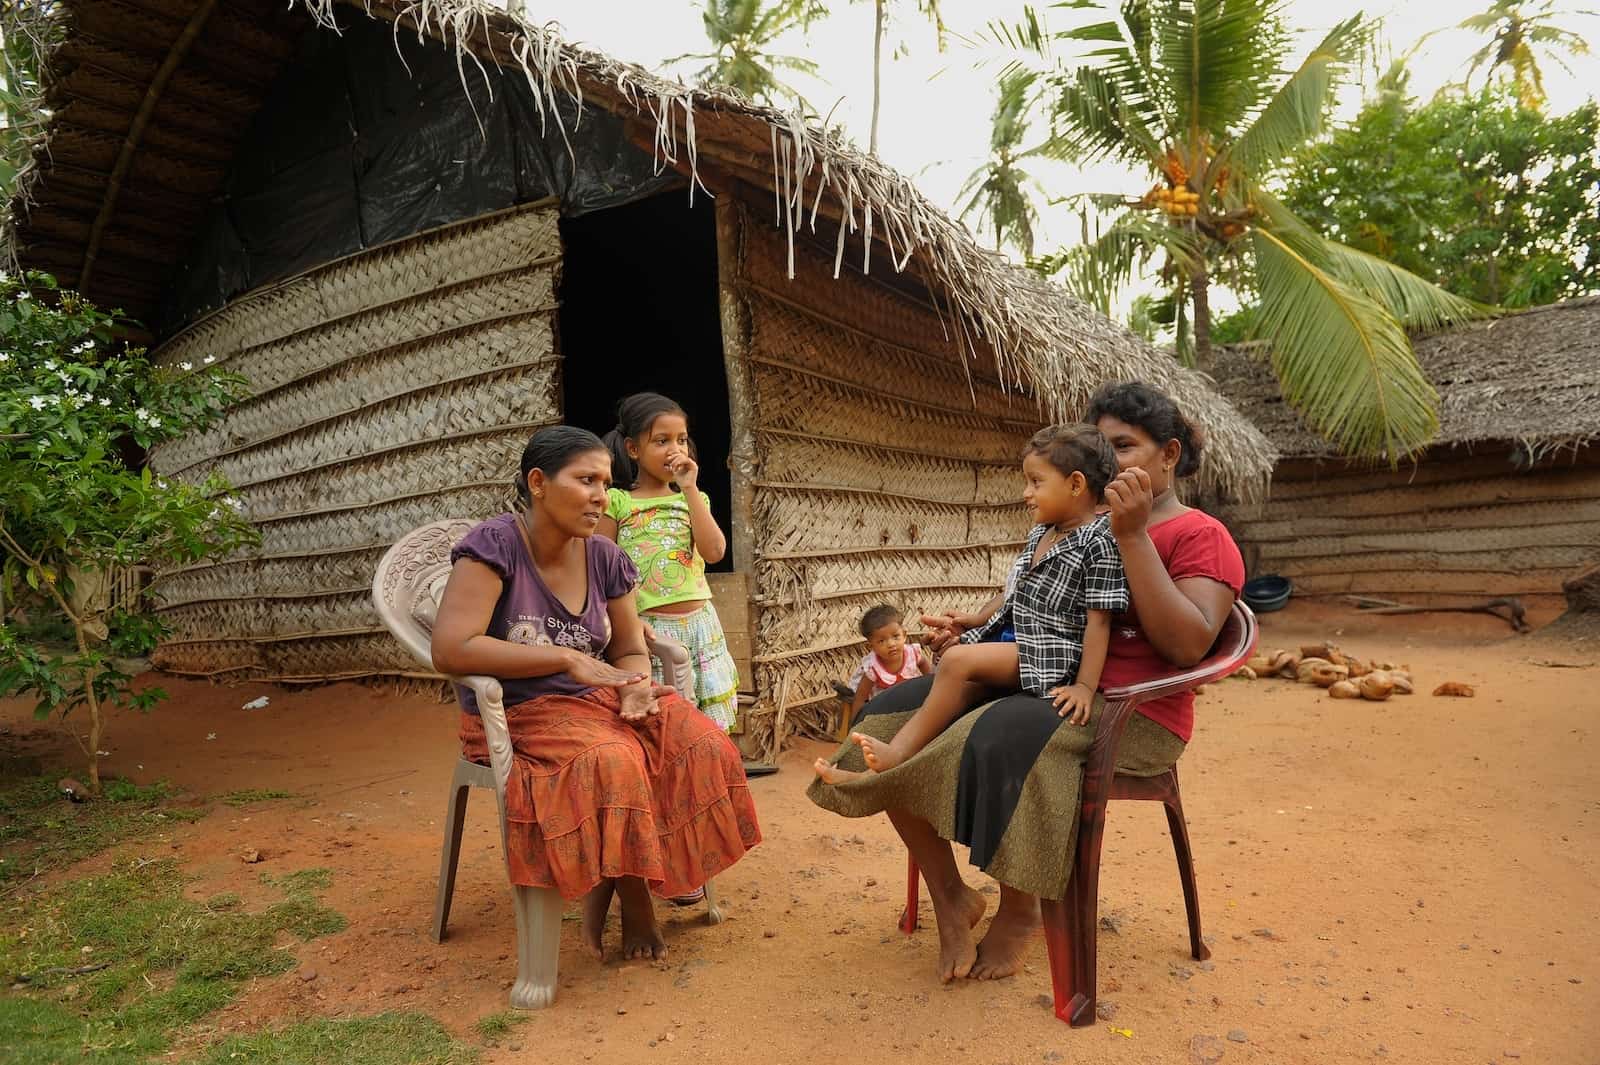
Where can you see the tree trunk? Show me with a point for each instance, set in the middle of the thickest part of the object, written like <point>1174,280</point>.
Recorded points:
<point>877,72</point>
<point>1202,321</point>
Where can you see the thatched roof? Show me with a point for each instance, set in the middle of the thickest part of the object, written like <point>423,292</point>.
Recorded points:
<point>150,98</point>
<point>1530,378</point>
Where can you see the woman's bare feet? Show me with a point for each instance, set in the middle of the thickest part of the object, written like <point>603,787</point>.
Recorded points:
<point>641,936</point>
<point>880,754</point>
<point>1003,945</point>
<point>956,913</point>
<point>832,774</point>
<point>596,905</point>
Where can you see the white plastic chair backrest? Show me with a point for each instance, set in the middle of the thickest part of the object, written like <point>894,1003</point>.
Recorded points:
<point>410,581</point>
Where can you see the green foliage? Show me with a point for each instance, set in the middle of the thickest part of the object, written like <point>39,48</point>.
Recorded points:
<point>1486,198</point>
<point>246,796</point>
<point>27,34</point>
<point>1194,94</point>
<point>41,831</point>
<point>163,961</point>
<point>1519,32</point>
<point>387,1039</point>
<point>498,1025</point>
<point>742,34</point>
<point>1000,192</point>
<point>74,403</point>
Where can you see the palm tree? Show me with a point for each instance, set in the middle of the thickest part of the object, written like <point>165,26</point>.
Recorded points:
<point>998,191</point>
<point>1517,32</point>
<point>1191,93</point>
<point>742,33</point>
<point>880,17</point>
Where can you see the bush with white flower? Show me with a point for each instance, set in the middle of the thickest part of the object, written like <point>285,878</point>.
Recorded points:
<point>78,409</point>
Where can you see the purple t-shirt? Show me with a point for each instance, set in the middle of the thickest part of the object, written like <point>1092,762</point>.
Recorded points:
<point>528,613</point>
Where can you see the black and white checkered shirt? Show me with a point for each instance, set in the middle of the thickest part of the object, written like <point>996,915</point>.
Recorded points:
<point>1048,605</point>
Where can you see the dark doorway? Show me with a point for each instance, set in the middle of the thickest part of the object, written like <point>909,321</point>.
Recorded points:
<point>639,313</point>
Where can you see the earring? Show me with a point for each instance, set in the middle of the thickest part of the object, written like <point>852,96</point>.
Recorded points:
<point>538,495</point>
<point>1076,490</point>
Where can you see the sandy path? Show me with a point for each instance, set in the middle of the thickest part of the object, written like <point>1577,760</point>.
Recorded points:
<point>1426,869</point>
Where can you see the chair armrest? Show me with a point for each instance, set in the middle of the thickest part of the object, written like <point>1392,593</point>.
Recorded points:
<point>496,730</point>
<point>674,659</point>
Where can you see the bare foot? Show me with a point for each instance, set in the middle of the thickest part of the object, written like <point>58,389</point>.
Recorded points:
<point>879,755</point>
<point>832,774</point>
<point>1003,945</point>
<point>957,953</point>
<point>641,936</point>
<point>973,904</point>
<point>596,904</point>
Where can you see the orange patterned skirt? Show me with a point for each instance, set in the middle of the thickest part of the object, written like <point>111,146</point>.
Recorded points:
<point>591,796</point>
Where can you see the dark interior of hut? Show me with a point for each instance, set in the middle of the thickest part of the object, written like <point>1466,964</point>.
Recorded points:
<point>639,312</point>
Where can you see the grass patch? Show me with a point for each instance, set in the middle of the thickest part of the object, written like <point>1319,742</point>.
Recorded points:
<point>498,1025</point>
<point>247,796</point>
<point>41,831</point>
<point>162,961</point>
<point>387,1039</point>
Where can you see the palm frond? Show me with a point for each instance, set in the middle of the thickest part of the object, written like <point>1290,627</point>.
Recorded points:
<point>1298,111</point>
<point>1341,358</point>
<point>1097,269</point>
<point>1218,58</point>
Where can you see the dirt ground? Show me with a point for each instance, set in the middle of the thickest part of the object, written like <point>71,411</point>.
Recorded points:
<point>1414,881</point>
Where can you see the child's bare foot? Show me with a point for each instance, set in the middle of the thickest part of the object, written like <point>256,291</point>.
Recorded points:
<point>1003,945</point>
<point>879,755</point>
<point>596,904</point>
<point>832,774</point>
<point>641,936</point>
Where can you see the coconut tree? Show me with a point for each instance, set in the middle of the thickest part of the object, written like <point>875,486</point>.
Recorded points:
<point>1520,32</point>
<point>1194,93</point>
<point>742,34</point>
<point>929,9</point>
<point>1000,193</point>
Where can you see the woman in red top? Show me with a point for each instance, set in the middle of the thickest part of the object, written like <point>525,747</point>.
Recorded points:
<point>1006,780</point>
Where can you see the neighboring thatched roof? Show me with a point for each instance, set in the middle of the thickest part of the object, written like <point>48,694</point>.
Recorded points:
<point>150,98</point>
<point>1530,378</point>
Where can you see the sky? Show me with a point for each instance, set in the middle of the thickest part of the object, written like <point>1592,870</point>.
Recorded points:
<point>937,106</point>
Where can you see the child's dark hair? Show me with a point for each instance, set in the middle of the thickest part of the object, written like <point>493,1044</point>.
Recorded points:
<point>635,415</point>
<point>1153,411</point>
<point>1077,449</point>
<point>552,449</point>
<point>876,618</point>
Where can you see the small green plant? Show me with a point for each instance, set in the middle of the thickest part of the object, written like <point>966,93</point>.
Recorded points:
<point>387,1039</point>
<point>498,1025</point>
<point>41,831</point>
<point>75,403</point>
<point>246,796</point>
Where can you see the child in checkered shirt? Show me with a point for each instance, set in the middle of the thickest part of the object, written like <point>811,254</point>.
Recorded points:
<point>1061,593</point>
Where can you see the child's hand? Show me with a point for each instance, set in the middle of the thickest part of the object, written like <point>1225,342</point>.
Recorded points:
<point>1073,702</point>
<point>685,471</point>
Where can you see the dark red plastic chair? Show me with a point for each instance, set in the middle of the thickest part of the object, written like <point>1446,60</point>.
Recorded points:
<point>1071,924</point>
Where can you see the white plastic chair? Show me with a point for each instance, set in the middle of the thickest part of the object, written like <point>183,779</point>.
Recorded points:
<point>406,591</point>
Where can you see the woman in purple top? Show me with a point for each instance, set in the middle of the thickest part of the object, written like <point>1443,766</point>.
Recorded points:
<point>618,786</point>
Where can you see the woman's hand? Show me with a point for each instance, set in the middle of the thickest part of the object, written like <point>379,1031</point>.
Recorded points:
<point>1073,702</point>
<point>586,669</point>
<point>945,628</point>
<point>1131,500</point>
<point>685,471</point>
<point>638,700</point>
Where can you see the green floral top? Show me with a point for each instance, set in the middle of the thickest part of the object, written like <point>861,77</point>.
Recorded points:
<point>655,533</point>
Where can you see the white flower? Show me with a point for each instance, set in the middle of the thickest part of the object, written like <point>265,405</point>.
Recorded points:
<point>155,423</point>
<point>5,357</point>
<point>64,375</point>
<point>233,501</point>
<point>105,401</point>
<point>37,402</point>
<point>209,359</point>
<point>50,364</point>
<point>185,366</point>
<point>24,295</point>
<point>140,414</point>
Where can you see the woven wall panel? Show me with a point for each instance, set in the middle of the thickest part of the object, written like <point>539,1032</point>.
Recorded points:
<point>432,467</point>
<point>514,397</point>
<point>995,525</point>
<point>1001,483</point>
<point>832,622</point>
<point>364,381</point>
<point>783,334</point>
<point>795,582</point>
<point>799,521</point>
<point>793,459</point>
<point>253,577</point>
<point>797,402</point>
<point>392,387</point>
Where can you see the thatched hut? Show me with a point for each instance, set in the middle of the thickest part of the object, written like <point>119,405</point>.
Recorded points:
<point>1506,501</point>
<point>423,229</point>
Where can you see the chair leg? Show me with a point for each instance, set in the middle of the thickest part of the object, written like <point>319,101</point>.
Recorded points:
<point>538,946</point>
<point>1191,893</point>
<point>1083,925</point>
<point>455,818</point>
<point>908,916</point>
<point>1061,946</point>
<point>713,909</point>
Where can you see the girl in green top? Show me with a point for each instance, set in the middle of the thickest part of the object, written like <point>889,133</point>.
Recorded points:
<point>663,522</point>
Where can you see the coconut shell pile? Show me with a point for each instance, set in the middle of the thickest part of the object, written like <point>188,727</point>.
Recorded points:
<point>1324,665</point>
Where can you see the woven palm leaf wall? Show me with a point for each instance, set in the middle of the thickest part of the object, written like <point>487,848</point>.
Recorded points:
<point>389,389</point>
<point>884,472</point>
